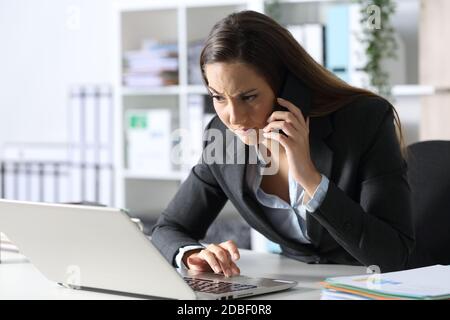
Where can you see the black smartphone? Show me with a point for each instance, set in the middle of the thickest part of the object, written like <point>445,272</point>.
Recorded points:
<point>295,91</point>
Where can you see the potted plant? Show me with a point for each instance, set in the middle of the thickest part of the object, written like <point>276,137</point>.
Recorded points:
<point>378,39</point>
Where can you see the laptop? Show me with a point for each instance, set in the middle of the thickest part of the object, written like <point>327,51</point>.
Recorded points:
<point>101,248</point>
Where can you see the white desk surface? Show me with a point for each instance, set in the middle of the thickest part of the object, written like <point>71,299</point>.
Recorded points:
<point>19,279</point>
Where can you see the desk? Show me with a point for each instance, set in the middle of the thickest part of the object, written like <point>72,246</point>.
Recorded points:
<point>19,279</point>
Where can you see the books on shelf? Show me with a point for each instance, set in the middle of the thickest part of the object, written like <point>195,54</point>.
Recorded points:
<point>149,80</point>
<point>149,141</point>
<point>160,49</point>
<point>142,62</point>
<point>153,65</point>
<point>194,71</point>
<point>428,283</point>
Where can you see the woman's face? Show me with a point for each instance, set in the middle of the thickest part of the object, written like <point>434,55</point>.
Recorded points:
<point>242,98</point>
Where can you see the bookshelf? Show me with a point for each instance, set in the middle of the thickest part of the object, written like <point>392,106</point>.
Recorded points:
<point>179,22</point>
<point>182,23</point>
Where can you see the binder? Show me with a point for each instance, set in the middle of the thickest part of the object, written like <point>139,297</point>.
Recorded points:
<point>67,172</point>
<point>337,40</point>
<point>149,140</point>
<point>311,37</point>
<point>91,135</point>
<point>29,171</point>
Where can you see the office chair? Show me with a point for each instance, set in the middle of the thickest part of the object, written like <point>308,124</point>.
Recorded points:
<point>429,178</point>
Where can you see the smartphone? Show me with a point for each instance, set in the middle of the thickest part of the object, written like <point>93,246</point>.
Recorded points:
<point>295,91</point>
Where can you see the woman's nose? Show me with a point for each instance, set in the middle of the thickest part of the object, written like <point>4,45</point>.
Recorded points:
<point>237,113</point>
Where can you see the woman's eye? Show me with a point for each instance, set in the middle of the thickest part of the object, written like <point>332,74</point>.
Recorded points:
<point>244,98</point>
<point>218,98</point>
<point>249,98</point>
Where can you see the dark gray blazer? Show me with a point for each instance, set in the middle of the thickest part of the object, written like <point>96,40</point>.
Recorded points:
<point>365,217</point>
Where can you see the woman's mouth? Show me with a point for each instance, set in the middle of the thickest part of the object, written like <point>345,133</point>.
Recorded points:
<point>244,131</point>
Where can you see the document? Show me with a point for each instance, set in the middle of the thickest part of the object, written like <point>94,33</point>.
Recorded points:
<point>422,283</point>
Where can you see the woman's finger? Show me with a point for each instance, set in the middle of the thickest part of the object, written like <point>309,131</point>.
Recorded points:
<point>280,138</point>
<point>285,116</point>
<point>292,108</point>
<point>232,248</point>
<point>209,257</point>
<point>236,270</point>
<point>194,262</point>
<point>223,257</point>
<point>287,128</point>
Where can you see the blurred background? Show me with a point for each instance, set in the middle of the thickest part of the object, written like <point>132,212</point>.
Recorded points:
<point>90,89</point>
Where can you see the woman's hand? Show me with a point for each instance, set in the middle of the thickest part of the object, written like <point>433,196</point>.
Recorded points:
<point>219,258</point>
<point>296,144</point>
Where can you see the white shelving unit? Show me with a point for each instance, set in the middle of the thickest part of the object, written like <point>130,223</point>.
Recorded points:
<point>182,22</point>
<point>147,193</point>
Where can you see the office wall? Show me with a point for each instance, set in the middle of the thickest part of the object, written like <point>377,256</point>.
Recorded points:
<point>435,68</point>
<point>404,69</point>
<point>406,23</point>
<point>46,46</point>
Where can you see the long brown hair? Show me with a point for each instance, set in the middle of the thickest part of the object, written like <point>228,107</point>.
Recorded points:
<point>259,41</point>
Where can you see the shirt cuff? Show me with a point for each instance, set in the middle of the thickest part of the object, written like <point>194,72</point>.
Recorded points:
<point>318,196</point>
<point>181,252</point>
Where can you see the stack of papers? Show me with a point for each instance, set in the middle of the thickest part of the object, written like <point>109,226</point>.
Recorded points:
<point>154,65</point>
<point>429,283</point>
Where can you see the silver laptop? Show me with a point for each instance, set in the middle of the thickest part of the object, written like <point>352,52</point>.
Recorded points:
<point>99,248</point>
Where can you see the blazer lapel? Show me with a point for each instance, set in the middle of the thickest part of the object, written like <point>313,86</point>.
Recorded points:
<point>244,199</point>
<point>236,160</point>
<point>322,157</point>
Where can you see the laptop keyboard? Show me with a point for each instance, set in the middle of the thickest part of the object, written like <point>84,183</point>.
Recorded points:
<point>214,286</point>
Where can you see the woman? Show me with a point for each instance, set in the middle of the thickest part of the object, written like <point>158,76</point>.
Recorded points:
<point>339,194</point>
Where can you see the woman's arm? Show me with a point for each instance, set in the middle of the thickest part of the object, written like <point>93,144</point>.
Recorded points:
<point>190,213</point>
<point>377,230</point>
<point>187,218</point>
